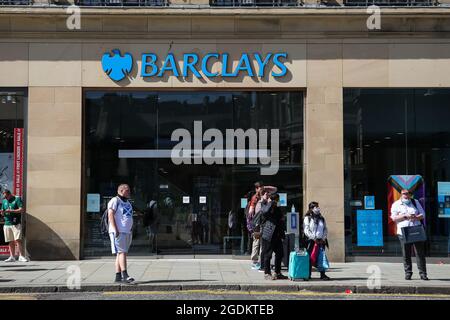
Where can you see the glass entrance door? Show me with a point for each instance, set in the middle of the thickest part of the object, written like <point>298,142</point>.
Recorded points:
<point>130,136</point>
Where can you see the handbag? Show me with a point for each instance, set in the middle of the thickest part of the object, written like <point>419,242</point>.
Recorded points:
<point>267,231</point>
<point>314,254</point>
<point>414,234</point>
<point>322,260</point>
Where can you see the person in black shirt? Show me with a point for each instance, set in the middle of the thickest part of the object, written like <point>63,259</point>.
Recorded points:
<point>275,244</point>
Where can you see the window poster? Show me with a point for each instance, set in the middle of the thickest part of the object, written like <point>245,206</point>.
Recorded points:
<point>6,171</point>
<point>444,199</point>
<point>369,228</point>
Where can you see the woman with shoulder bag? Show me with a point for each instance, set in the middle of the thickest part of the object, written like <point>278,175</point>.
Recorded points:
<point>315,230</point>
<point>272,235</point>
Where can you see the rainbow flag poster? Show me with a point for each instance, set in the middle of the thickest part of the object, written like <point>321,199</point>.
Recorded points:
<point>414,183</point>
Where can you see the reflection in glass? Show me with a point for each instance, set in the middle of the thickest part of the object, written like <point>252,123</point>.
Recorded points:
<point>133,120</point>
<point>395,132</point>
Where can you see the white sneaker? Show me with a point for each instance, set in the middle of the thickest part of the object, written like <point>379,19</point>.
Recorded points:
<point>11,259</point>
<point>23,259</point>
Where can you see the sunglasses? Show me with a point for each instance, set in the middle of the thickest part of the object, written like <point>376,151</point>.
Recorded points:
<point>406,193</point>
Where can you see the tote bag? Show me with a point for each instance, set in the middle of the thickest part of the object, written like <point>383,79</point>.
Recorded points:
<point>322,260</point>
<point>414,234</point>
<point>267,231</point>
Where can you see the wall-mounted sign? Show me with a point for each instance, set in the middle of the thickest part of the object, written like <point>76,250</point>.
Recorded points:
<point>93,202</point>
<point>369,228</point>
<point>18,162</point>
<point>186,200</point>
<point>118,66</point>
<point>443,199</point>
<point>202,199</point>
<point>369,202</point>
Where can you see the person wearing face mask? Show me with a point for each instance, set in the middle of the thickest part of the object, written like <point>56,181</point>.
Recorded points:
<point>120,220</point>
<point>315,230</point>
<point>274,216</point>
<point>407,212</point>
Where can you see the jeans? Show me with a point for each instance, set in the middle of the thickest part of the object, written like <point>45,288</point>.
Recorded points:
<point>420,256</point>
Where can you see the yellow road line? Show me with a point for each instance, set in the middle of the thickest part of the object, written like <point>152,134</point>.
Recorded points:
<point>300,293</point>
<point>17,296</point>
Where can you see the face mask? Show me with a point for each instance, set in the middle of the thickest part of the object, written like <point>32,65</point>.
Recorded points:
<point>406,201</point>
<point>123,198</point>
<point>316,210</point>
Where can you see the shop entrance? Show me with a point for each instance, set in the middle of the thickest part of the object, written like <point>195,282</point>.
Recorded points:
<point>129,138</point>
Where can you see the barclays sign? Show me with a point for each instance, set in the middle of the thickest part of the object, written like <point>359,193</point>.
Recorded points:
<point>118,66</point>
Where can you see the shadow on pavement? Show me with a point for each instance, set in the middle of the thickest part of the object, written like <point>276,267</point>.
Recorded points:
<point>433,279</point>
<point>19,266</point>
<point>336,279</point>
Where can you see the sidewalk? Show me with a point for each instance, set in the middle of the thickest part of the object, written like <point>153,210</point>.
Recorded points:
<point>221,274</point>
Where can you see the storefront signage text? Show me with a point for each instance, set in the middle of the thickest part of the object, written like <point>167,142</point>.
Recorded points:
<point>118,66</point>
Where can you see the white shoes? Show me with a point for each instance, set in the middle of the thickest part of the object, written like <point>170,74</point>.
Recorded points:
<point>11,259</point>
<point>23,259</point>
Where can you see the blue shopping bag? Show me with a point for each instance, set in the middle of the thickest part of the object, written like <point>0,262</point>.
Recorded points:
<point>322,260</point>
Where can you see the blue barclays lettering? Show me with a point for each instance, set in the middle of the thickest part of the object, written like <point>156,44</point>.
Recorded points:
<point>118,67</point>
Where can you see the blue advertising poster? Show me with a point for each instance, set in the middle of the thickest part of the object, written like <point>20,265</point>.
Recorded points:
<point>369,202</point>
<point>444,199</point>
<point>244,203</point>
<point>369,226</point>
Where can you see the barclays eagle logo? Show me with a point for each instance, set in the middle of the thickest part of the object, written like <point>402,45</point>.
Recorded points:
<point>117,66</point>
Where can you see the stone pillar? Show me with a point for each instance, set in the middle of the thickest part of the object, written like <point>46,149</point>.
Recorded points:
<point>53,175</point>
<point>324,164</point>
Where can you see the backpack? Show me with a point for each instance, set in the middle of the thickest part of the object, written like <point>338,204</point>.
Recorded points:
<point>104,224</point>
<point>149,214</point>
<point>248,218</point>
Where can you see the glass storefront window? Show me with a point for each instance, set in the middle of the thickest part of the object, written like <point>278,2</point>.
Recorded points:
<point>120,123</point>
<point>11,119</point>
<point>394,132</point>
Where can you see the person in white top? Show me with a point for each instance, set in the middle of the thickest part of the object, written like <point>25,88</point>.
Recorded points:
<point>407,212</point>
<point>316,231</point>
<point>120,220</point>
